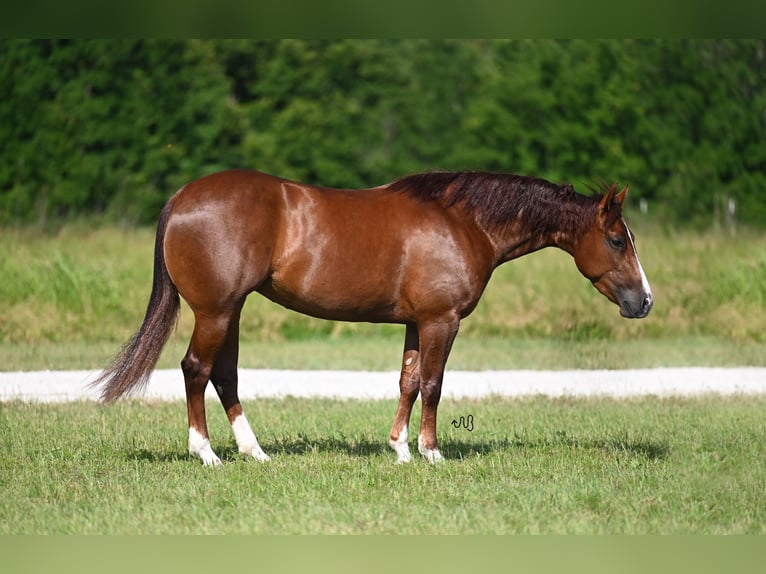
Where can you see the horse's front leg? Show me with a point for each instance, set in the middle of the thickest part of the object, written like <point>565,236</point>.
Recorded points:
<point>436,340</point>
<point>409,387</point>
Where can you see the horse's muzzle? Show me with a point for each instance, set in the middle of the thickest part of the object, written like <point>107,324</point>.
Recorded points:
<point>636,308</point>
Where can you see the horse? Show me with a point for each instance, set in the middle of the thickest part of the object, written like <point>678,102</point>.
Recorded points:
<point>418,251</point>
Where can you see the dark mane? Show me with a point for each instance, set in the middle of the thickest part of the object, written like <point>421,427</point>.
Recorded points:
<point>496,199</point>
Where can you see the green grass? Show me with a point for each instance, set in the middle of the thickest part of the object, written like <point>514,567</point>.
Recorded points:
<point>530,466</point>
<point>70,301</point>
<point>384,354</point>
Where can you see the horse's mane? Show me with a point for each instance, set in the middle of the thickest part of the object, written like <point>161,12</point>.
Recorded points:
<point>497,199</point>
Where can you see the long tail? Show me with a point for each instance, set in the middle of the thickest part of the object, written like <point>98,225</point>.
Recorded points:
<point>131,367</point>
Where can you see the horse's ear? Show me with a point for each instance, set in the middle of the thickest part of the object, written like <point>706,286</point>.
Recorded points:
<point>609,198</point>
<point>620,197</point>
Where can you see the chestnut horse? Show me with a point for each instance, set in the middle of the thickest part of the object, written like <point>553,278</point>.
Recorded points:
<point>418,252</point>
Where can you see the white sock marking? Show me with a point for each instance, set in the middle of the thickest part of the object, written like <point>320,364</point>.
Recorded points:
<point>432,455</point>
<point>401,448</point>
<point>246,440</point>
<point>200,446</point>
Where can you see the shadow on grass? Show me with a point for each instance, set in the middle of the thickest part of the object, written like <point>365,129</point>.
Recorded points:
<point>351,446</point>
<point>299,446</point>
<point>451,449</point>
<point>457,449</point>
<point>157,456</point>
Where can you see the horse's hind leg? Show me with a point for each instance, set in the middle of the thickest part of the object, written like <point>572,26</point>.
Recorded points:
<point>207,339</point>
<point>225,380</point>
<point>409,386</point>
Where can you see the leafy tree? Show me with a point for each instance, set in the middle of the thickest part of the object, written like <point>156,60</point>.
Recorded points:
<point>112,128</point>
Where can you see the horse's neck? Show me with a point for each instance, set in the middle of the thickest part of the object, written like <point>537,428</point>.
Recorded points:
<point>558,224</point>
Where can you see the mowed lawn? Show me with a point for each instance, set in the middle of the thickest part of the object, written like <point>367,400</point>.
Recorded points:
<point>538,465</point>
<point>650,465</point>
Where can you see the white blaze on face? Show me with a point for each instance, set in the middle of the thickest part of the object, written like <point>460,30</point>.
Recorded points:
<point>644,281</point>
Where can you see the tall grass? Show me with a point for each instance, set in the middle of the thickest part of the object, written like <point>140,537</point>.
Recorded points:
<point>90,285</point>
<point>77,286</point>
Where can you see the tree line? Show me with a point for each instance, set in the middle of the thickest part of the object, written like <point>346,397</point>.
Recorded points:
<point>111,128</point>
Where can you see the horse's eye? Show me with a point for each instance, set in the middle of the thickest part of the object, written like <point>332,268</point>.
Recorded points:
<point>616,242</point>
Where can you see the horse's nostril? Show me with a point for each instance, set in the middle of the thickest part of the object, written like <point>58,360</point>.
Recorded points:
<point>647,302</point>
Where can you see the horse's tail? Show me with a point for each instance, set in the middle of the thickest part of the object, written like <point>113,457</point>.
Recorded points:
<point>131,367</point>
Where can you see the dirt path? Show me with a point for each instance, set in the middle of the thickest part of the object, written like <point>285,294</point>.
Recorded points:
<point>57,386</point>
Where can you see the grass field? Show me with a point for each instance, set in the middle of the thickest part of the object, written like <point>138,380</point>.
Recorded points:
<point>530,466</point>
<point>384,354</point>
<point>70,300</point>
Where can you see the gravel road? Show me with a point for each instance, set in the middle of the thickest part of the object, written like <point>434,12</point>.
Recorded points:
<point>59,386</point>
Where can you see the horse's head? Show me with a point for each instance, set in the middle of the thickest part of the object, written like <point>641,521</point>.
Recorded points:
<point>606,254</point>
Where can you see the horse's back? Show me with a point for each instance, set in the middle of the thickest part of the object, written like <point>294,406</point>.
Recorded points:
<point>227,191</point>
<point>238,231</point>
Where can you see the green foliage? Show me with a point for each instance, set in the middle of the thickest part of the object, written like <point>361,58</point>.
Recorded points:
<point>113,127</point>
